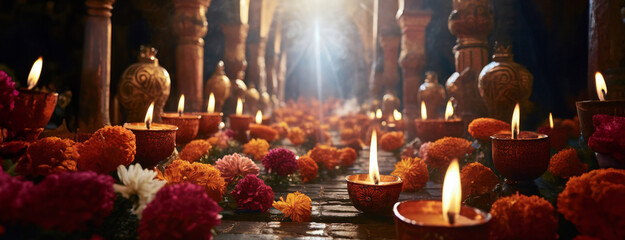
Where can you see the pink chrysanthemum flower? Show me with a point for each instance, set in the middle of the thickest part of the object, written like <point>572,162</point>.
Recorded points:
<point>234,166</point>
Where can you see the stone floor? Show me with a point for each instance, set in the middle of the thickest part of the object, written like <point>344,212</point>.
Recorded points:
<point>333,215</point>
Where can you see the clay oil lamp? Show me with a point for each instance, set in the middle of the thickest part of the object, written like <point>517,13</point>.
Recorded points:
<point>374,193</point>
<point>587,109</point>
<point>394,122</point>
<point>188,124</point>
<point>33,108</point>
<point>155,141</point>
<point>520,157</point>
<point>446,219</point>
<point>240,123</point>
<point>260,119</point>
<point>558,135</point>
<point>210,120</point>
<point>434,129</point>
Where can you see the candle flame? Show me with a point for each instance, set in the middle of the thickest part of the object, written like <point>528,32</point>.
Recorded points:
<point>515,121</point>
<point>550,120</point>
<point>452,193</point>
<point>371,115</point>
<point>239,107</point>
<point>181,105</point>
<point>396,115</point>
<point>602,89</point>
<point>378,113</point>
<point>449,110</point>
<point>148,116</point>
<point>211,103</point>
<point>259,117</point>
<point>374,172</point>
<point>35,72</point>
<point>424,113</point>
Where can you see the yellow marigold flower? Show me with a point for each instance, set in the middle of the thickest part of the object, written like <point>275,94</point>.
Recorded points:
<point>297,206</point>
<point>257,148</point>
<point>482,128</point>
<point>205,175</point>
<point>441,152</point>
<point>194,150</point>
<point>297,136</point>
<point>566,164</point>
<point>476,179</point>
<point>523,217</point>
<point>413,171</point>
<point>282,128</point>
<point>392,141</point>
<point>326,155</point>
<point>308,168</point>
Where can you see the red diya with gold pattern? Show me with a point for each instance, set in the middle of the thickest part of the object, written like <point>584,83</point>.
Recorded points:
<point>188,126</point>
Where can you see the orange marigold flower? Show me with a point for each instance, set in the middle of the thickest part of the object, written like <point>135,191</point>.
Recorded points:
<point>392,141</point>
<point>297,206</point>
<point>477,179</point>
<point>297,136</point>
<point>594,203</point>
<point>482,128</point>
<point>264,132</point>
<point>350,133</point>
<point>282,128</point>
<point>257,148</point>
<point>194,150</point>
<point>347,156</point>
<point>326,155</point>
<point>566,164</point>
<point>442,151</point>
<point>205,175</point>
<point>107,148</point>
<point>49,155</point>
<point>355,143</point>
<point>413,171</point>
<point>308,168</point>
<point>523,217</point>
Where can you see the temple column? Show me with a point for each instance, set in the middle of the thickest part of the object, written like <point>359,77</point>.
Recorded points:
<point>96,67</point>
<point>235,30</point>
<point>260,18</point>
<point>190,26</point>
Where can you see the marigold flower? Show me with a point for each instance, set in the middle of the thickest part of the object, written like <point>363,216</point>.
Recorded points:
<point>107,148</point>
<point>414,173</point>
<point>297,206</point>
<point>308,168</point>
<point>194,150</point>
<point>257,148</point>
<point>264,132</point>
<point>482,128</point>
<point>281,161</point>
<point>326,155</point>
<point>180,211</point>
<point>252,194</point>
<point>442,151</point>
<point>566,164</point>
<point>282,128</point>
<point>477,179</point>
<point>49,155</point>
<point>205,175</point>
<point>234,166</point>
<point>347,156</point>
<point>297,136</point>
<point>593,202</point>
<point>392,141</point>
<point>523,217</point>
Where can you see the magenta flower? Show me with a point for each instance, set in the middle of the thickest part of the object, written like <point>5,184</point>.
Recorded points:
<point>281,161</point>
<point>180,211</point>
<point>7,95</point>
<point>608,136</point>
<point>12,191</point>
<point>235,165</point>
<point>252,194</point>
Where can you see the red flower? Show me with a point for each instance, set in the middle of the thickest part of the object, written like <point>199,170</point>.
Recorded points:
<point>252,194</point>
<point>7,96</point>
<point>608,137</point>
<point>281,161</point>
<point>180,211</point>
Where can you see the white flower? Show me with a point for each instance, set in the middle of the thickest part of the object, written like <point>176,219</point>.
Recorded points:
<point>140,182</point>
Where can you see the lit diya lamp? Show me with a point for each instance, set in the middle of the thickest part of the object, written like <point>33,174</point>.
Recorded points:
<point>558,135</point>
<point>188,124</point>
<point>521,157</point>
<point>155,141</point>
<point>434,129</point>
<point>394,122</point>
<point>210,120</point>
<point>240,123</point>
<point>587,109</point>
<point>374,193</point>
<point>260,119</point>
<point>446,219</point>
<point>33,108</point>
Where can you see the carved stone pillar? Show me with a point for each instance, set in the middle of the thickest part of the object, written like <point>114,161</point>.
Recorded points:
<point>190,26</point>
<point>389,35</point>
<point>260,17</point>
<point>412,20</point>
<point>96,72</point>
<point>470,22</point>
<point>272,58</point>
<point>234,48</point>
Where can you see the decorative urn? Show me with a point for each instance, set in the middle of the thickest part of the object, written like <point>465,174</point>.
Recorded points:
<point>219,85</point>
<point>252,98</point>
<point>143,83</point>
<point>432,94</point>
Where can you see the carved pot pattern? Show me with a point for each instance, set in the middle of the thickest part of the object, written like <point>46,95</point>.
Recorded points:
<point>376,199</point>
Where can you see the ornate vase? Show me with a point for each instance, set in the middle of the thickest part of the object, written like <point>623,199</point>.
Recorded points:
<point>219,85</point>
<point>143,83</point>
<point>252,99</point>
<point>389,103</point>
<point>503,83</point>
<point>433,94</point>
